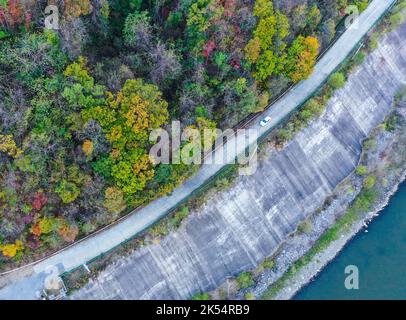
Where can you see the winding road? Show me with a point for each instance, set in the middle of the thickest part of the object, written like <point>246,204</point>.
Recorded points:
<point>27,282</point>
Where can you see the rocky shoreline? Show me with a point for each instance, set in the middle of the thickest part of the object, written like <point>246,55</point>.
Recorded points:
<point>299,244</point>
<point>309,272</point>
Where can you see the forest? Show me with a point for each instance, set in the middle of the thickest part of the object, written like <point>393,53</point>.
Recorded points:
<point>78,104</point>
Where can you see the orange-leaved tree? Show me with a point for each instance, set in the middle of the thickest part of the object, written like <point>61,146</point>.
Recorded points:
<point>301,58</point>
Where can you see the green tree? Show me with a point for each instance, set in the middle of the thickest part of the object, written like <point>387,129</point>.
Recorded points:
<point>263,8</point>
<point>132,173</point>
<point>67,191</point>
<point>369,182</point>
<point>337,80</point>
<point>127,118</point>
<point>245,280</point>
<point>252,50</point>
<point>266,65</point>
<point>361,170</point>
<point>313,17</point>
<point>138,30</point>
<point>267,48</point>
<point>81,90</point>
<point>114,200</point>
<point>301,58</point>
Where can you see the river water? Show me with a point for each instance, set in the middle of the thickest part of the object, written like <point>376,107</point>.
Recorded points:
<point>379,255</point>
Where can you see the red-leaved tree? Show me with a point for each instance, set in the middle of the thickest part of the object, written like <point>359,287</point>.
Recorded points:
<point>14,15</point>
<point>39,201</point>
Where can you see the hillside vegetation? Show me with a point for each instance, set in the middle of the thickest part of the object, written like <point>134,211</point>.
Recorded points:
<point>77,105</point>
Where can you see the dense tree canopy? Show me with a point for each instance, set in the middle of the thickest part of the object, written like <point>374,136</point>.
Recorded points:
<point>78,104</point>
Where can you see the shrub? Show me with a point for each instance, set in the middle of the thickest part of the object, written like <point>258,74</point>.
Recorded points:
<point>201,296</point>
<point>285,135</point>
<point>250,296</point>
<point>315,106</point>
<point>370,144</point>
<point>369,182</point>
<point>268,263</point>
<point>359,58</point>
<point>179,217</point>
<point>401,95</point>
<point>245,280</point>
<point>365,200</point>
<point>391,123</point>
<point>337,80</point>
<point>396,20</point>
<point>361,170</point>
<point>305,227</point>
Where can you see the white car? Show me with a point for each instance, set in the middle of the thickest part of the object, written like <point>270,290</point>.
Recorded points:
<point>265,121</point>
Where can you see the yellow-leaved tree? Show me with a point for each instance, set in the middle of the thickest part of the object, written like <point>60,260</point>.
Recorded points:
<point>8,146</point>
<point>302,57</point>
<point>10,250</point>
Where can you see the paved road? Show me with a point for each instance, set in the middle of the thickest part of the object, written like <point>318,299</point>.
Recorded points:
<point>84,251</point>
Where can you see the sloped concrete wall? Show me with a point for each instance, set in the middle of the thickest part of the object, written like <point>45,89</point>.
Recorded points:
<point>240,227</point>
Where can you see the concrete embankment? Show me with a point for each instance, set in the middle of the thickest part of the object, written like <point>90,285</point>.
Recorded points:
<point>242,226</point>
<point>302,256</point>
